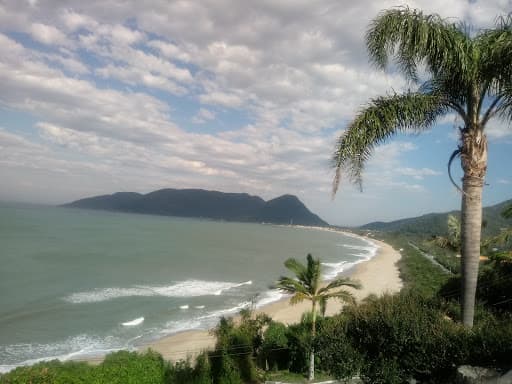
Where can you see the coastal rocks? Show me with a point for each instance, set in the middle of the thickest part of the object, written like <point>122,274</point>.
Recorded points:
<point>466,374</point>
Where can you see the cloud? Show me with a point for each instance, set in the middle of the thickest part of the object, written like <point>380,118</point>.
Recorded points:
<point>47,34</point>
<point>122,90</point>
<point>203,115</point>
<point>417,173</point>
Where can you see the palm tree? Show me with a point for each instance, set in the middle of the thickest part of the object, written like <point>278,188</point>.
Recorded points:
<point>307,285</point>
<point>465,73</point>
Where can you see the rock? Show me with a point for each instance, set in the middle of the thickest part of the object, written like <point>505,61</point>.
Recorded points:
<point>466,374</point>
<point>506,378</point>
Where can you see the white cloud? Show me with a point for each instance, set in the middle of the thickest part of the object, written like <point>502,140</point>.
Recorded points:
<point>294,71</point>
<point>417,173</point>
<point>203,115</point>
<point>48,34</point>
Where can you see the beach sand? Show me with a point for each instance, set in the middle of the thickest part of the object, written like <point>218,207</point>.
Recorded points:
<point>378,275</point>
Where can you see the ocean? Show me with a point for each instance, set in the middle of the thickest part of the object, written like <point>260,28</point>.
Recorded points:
<point>78,283</point>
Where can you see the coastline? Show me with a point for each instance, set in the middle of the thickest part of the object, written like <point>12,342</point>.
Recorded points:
<point>377,275</point>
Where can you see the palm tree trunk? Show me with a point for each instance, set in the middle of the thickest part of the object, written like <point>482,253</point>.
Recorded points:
<point>474,164</point>
<point>311,376</point>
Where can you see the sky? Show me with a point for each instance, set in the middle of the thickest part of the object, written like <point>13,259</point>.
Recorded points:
<point>231,95</point>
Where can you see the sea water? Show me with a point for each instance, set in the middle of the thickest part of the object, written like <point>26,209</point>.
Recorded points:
<point>80,283</point>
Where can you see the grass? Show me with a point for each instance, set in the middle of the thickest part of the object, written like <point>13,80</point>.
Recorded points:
<point>443,256</point>
<point>290,377</point>
<point>417,273</point>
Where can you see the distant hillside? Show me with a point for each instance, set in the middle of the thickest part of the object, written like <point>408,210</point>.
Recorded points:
<point>215,205</point>
<point>435,223</point>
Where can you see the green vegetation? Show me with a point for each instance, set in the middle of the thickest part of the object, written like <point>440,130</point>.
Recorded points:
<point>118,368</point>
<point>307,285</point>
<point>434,224</point>
<point>464,72</point>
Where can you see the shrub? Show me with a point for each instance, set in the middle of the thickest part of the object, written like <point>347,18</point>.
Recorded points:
<point>223,369</point>
<point>118,368</point>
<point>52,372</point>
<point>409,328</point>
<point>275,346</point>
<point>335,352</point>
<point>125,367</point>
<point>490,343</point>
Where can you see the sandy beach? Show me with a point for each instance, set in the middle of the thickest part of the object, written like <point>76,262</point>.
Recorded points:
<point>378,275</point>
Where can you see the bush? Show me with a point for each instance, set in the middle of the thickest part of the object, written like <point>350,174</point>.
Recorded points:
<point>130,368</point>
<point>299,345</point>
<point>234,346</point>
<point>409,328</point>
<point>183,372</point>
<point>275,346</point>
<point>118,368</point>
<point>490,343</point>
<point>335,353</point>
<point>494,289</point>
<point>52,372</point>
<point>223,369</point>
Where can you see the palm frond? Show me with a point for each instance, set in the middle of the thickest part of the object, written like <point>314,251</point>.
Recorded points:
<point>341,295</point>
<point>380,120</point>
<point>495,53</point>
<point>289,285</point>
<point>299,269</point>
<point>413,38</point>
<point>299,297</point>
<point>343,282</point>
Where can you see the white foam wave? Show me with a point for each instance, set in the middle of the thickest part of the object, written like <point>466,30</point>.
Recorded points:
<point>199,307</point>
<point>81,345</point>
<point>137,321</point>
<point>184,306</point>
<point>188,288</point>
<point>173,327</point>
<point>369,250</point>
<point>269,297</point>
<point>227,311</point>
<point>334,269</point>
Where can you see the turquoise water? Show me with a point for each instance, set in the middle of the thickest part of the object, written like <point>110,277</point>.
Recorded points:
<point>70,278</point>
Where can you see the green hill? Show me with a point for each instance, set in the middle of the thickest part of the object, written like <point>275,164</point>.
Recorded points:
<point>435,223</point>
<point>286,209</point>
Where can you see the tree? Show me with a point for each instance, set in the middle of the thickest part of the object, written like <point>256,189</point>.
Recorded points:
<point>465,73</point>
<point>307,285</point>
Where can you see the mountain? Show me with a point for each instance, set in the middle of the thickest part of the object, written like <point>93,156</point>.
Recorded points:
<point>435,223</point>
<point>215,205</point>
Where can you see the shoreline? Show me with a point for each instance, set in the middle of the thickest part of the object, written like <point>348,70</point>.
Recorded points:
<point>377,275</point>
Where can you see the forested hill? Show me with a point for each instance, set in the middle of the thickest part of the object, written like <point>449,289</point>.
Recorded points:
<point>286,209</point>
<point>435,223</point>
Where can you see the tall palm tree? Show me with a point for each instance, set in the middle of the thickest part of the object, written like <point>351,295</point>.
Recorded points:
<point>465,73</point>
<point>307,285</point>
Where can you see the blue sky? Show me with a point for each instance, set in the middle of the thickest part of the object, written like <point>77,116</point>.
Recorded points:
<point>230,95</point>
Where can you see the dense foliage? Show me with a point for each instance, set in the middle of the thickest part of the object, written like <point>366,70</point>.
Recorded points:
<point>118,368</point>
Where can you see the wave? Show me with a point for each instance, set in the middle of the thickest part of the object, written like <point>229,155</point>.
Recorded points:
<point>184,306</point>
<point>199,307</point>
<point>369,250</point>
<point>269,297</point>
<point>81,345</point>
<point>188,288</point>
<point>137,321</point>
<point>227,311</point>
<point>172,327</point>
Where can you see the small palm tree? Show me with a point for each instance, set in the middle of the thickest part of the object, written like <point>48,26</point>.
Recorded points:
<point>465,72</point>
<point>307,285</point>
